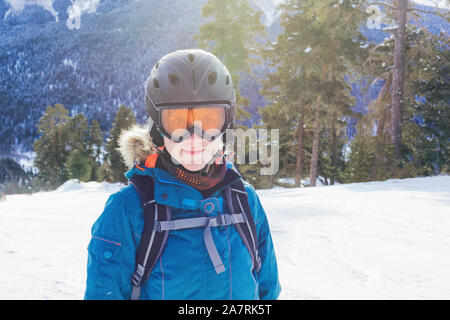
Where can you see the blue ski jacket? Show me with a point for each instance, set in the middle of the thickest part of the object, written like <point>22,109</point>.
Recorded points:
<point>184,269</point>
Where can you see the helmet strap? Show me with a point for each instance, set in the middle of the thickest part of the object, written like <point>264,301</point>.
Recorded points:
<point>156,136</point>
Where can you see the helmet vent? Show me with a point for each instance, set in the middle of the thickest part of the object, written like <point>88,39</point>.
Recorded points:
<point>156,83</point>
<point>227,80</point>
<point>174,79</point>
<point>191,57</point>
<point>212,78</point>
<point>157,65</point>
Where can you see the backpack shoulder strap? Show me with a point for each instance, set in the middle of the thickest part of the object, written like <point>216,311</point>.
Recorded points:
<point>237,201</point>
<point>152,242</point>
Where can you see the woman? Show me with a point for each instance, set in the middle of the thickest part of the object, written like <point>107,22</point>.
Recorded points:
<point>215,239</point>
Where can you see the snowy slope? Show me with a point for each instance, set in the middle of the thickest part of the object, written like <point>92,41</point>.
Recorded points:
<point>377,240</point>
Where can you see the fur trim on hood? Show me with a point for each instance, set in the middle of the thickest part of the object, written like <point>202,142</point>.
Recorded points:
<point>135,144</point>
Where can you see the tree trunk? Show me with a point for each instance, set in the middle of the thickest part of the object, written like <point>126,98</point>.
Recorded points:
<point>299,160</point>
<point>398,78</point>
<point>315,150</point>
<point>333,150</point>
<point>382,110</point>
<point>271,181</point>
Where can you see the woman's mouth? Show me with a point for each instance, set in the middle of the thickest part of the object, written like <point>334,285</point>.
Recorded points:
<point>193,152</point>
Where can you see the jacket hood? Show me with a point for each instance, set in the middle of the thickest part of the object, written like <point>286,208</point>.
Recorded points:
<point>135,145</point>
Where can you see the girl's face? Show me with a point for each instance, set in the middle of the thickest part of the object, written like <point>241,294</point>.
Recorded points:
<point>193,153</point>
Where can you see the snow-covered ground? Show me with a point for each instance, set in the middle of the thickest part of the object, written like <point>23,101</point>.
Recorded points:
<point>376,240</point>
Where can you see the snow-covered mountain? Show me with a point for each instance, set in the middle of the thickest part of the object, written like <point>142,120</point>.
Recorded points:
<point>92,69</point>
<point>375,240</point>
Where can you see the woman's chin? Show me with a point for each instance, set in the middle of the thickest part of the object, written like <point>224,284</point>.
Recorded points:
<point>193,163</point>
<point>191,167</point>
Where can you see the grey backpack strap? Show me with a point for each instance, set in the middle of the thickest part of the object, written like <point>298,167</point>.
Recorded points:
<point>212,250</point>
<point>152,242</point>
<point>206,223</point>
<point>237,202</point>
<point>220,220</point>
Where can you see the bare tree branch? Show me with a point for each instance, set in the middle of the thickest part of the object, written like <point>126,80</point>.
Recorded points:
<point>426,11</point>
<point>416,16</point>
<point>307,152</point>
<point>370,56</point>
<point>383,4</point>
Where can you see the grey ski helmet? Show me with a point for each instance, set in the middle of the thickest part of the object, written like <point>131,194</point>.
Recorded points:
<point>188,78</point>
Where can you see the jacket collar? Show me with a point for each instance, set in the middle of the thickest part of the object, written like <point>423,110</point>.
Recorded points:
<point>172,192</point>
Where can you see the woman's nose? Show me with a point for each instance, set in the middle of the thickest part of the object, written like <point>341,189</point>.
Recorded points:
<point>195,141</point>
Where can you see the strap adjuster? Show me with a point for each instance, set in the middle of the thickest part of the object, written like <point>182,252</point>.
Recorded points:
<point>138,274</point>
<point>258,263</point>
<point>223,220</point>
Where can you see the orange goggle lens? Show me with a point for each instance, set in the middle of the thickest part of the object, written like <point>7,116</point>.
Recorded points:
<point>207,118</point>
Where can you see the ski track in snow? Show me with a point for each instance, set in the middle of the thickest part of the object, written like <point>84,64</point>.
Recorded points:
<point>375,240</point>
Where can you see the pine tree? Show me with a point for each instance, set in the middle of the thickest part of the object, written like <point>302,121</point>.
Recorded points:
<point>104,172</point>
<point>50,148</point>
<point>124,120</point>
<point>334,133</point>
<point>13,178</point>
<point>79,161</point>
<point>358,168</point>
<point>425,54</point>
<point>95,148</point>
<point>427,136</point>
<point>232,35</point>
<point>320,43</point>
<point>79,165</point>
<point>272,118</point>
<point>402,12</point>
<point>78,133</point>
<point>289,90</point>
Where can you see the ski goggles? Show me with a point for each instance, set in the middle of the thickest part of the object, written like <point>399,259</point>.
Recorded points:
<point>207,121</point>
